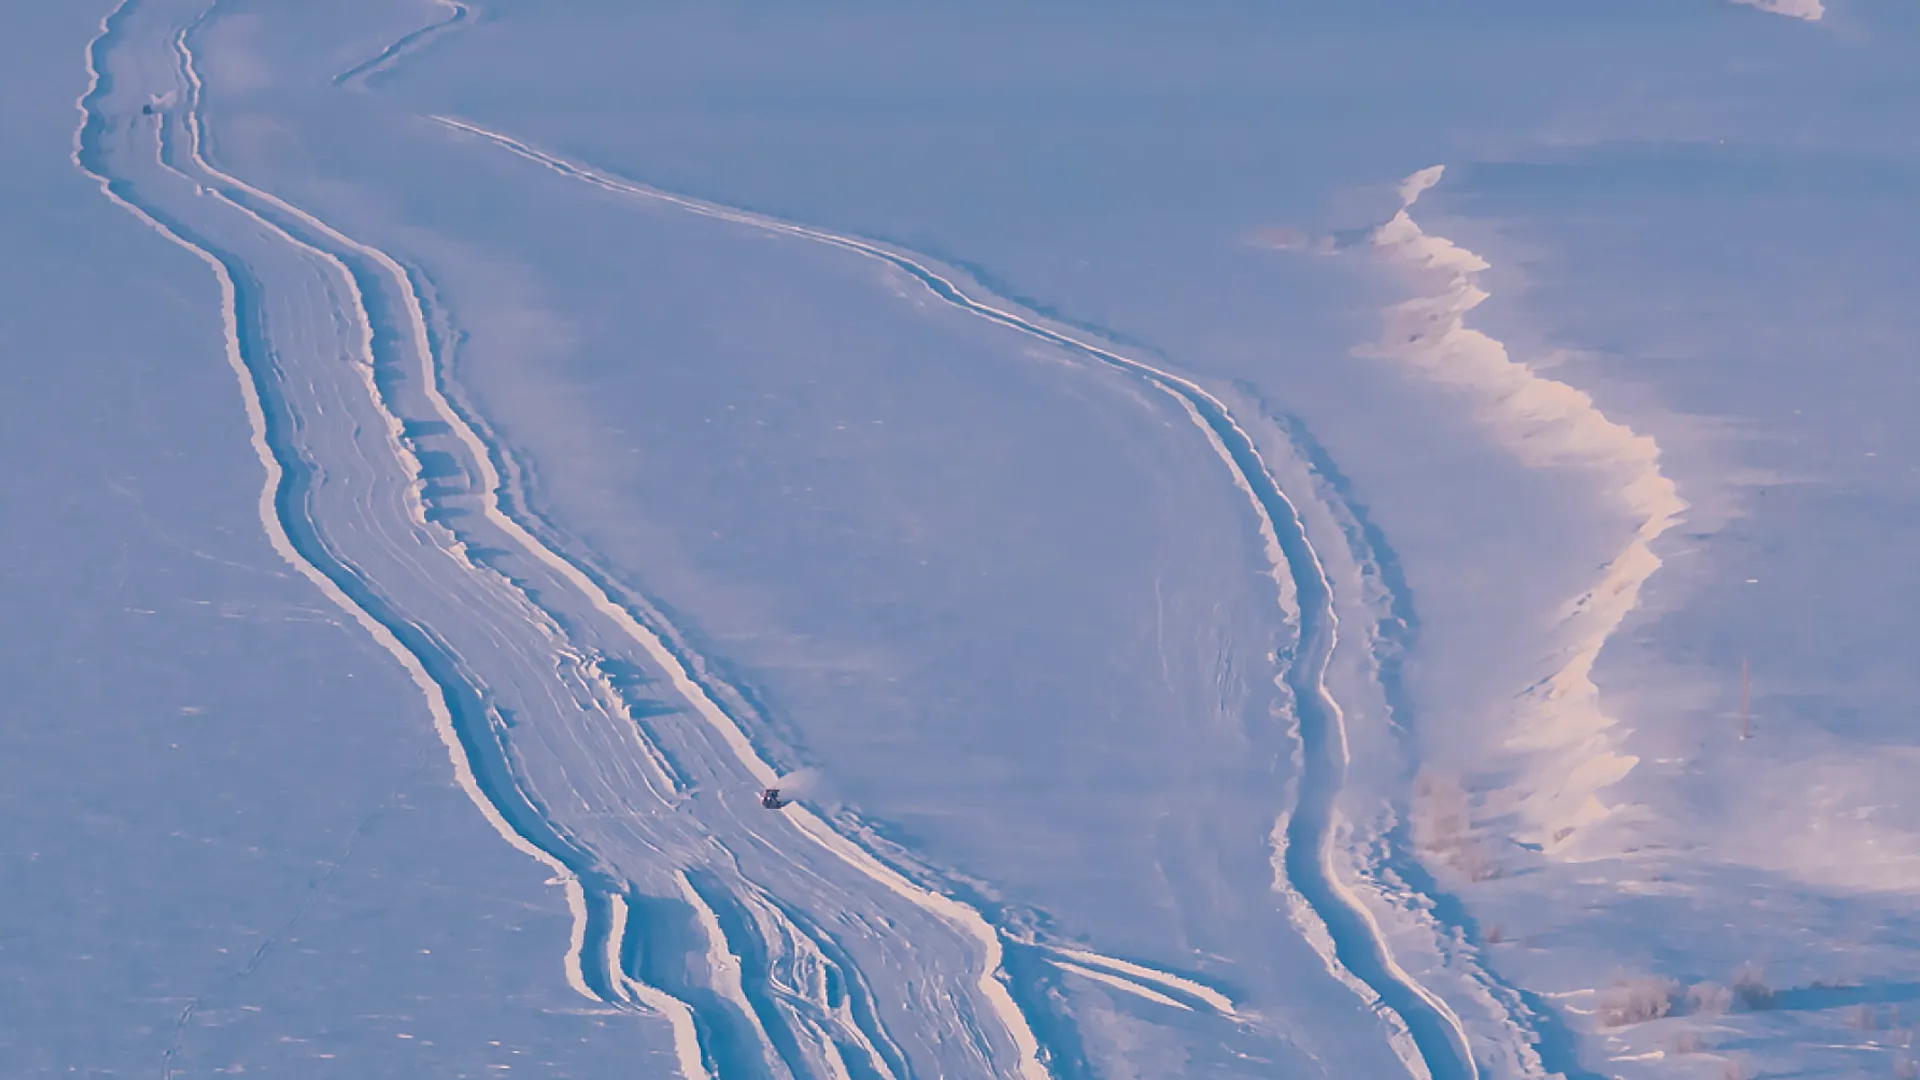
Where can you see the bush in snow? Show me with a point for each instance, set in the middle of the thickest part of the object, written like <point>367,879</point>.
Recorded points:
<point>1685,1042</point>
<point>1442,823</point>
<point>1708,999</point>
<point>1750,986</point>
<point>1635,1001</point>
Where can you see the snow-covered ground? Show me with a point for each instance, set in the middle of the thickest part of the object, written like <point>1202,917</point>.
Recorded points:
<point>230,840</point>
<point>1251,525</point>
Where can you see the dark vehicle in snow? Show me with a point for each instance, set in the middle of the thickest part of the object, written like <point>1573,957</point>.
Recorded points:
<point>770,799</point>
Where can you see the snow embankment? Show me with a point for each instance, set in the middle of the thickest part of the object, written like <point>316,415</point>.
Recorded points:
<point>1810,10</point>
<point>1558,724</point>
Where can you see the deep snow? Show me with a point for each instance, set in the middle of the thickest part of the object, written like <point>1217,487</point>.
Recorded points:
<point>1094,448</point>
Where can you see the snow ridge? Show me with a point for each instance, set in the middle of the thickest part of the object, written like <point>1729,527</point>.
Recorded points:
<point>1435,1043</point>
<point>1137,975</point>
<point>360,74</point>
<point>1546,424</point>
<point>279,534</point>
<point>1513,1033</point>
<point>329,342</point>
<point>1810,10</point>
<point>297,538</point>
<point>686,1034</point>
<point>684,684</point>
<point>723,964</point>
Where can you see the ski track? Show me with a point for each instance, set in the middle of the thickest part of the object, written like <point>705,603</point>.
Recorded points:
<point>1333,918</point>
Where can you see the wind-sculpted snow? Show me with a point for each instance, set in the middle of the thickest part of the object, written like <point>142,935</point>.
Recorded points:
<point>1548,424</point>
<point>1425,1031</point>
<point>1810,10</point>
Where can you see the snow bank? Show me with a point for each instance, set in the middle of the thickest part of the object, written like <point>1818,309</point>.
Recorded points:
<point>1558,721</point>
<point>1810,10</point>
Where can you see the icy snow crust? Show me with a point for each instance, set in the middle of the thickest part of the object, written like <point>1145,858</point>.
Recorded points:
<point>1106,655</point>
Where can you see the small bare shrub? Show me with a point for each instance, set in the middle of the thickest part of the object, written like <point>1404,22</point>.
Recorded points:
<point>1442,816</point>
<point>1733,1070</point>
<point>1708,999</point>
<point>1750,986</point>
<point>1442,821</point>
<point>1635,1001</point>
<point>1863,1017</point>
<point>1474,860</point>
<point>1494,935</point>
<point>1685,1042</point>
<point>1905,1068</point>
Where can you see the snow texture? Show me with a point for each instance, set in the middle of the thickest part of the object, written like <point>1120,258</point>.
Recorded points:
<point>1810,10</point>
<point>1210,608</point>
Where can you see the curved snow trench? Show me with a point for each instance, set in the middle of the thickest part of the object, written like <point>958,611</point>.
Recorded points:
<point>362,73</point>
<point>1350,941</point>
<point>381,493</point>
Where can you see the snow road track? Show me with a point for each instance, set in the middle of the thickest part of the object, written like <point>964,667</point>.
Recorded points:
<point>753,944</point>
<point>360,74</point>
<point>380,494</point>
<point>1427,1035</point>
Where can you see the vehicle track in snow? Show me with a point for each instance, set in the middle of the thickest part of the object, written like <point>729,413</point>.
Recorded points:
<point>1335,921</point>
<point>380,495</point>
<point>387,496</point>
<point>359,75</point>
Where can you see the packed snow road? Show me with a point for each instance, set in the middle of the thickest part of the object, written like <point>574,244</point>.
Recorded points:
<point>585,730</point>
<point>387,498</point>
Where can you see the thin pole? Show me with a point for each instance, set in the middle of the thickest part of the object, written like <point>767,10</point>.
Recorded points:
<point>1746,702</point>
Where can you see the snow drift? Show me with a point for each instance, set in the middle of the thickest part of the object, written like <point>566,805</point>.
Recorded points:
<point>1559,721</point>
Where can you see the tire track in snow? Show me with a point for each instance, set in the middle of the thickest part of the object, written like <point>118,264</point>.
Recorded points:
<point>603,952</point>
<point>686,1033</point>
<point>461,719</point>
<point>1151,981</point>
<point>822,992</point>
<point>409,43</point>
<point>693,691</point>
<point>844,994</point>
<point>1334,920</point>
<point>283,493</point>
<point>1519,1035</point>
